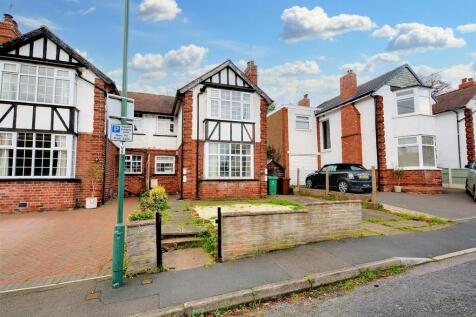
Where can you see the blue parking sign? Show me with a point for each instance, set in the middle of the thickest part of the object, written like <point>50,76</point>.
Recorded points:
<point>116,128</point>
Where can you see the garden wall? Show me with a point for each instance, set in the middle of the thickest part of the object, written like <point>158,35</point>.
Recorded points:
<point>141,248</point>
<point>251,233</point>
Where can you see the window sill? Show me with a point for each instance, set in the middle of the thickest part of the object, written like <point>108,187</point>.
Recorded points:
<point>229,180</point>
<point>167,135</point>
<point>165,174</point>
<point>138,133</point>
<point>326,151</point>
<point>40,179</point>
<point>304,130</point>
<point>414,114</point>
<point>133,174</point>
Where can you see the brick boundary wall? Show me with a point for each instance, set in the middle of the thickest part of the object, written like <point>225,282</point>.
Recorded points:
<point>247,233</point>
<point>469,129</point>
<point>40,195</point>
<point>141,246</point>
<point>351,135</point>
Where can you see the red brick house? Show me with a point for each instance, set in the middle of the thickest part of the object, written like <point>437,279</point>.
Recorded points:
<point>52,123</point>
<point>209,141</point>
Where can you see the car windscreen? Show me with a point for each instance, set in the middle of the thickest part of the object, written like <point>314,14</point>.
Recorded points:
<point>349,167</point>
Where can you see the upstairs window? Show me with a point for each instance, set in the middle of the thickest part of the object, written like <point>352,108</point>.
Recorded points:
<point>138,129</point>
<point>229,105</point>
<point>405,102</point>
<point>165,125</point>
<point>326,135</point>
<point>302,123</point>
<point>35,83</point>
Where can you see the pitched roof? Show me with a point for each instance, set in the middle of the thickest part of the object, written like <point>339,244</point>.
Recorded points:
<point>152,103</point>
<point>44,31</point>
<point>454,99</point>
<point>227,63</point>
<point>367,88</point>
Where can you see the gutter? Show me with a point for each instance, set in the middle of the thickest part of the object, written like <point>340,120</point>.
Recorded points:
<point>181,161</point>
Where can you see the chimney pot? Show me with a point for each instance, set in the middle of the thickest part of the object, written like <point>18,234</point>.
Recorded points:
<point>467,82</point>
<point>251,72</point>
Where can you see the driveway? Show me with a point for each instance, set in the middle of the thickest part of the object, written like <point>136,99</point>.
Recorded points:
<point>452,204</point>
<point>55,246</point>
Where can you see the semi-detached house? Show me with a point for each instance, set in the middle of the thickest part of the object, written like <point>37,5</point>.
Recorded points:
<point>386,122</point>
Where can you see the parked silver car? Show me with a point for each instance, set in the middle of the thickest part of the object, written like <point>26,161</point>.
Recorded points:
<point>471,179</point>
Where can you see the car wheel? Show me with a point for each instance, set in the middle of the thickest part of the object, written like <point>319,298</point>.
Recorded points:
<point>343,186</point>
<point>308,183</point>
<point>467,187</point>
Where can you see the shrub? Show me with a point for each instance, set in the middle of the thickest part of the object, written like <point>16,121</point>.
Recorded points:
<point>154,199</point>
<point>142,215</point>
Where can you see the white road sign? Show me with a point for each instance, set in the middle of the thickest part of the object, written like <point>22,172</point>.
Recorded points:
<point>121,132</point>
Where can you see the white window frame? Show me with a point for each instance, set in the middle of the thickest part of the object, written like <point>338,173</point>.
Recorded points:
<point>405,94</point>
<point>57,77</point>
<point>167,121</point>
<point>420,146</point>
<point>138,123</point>
<point>302,119</point>
<point>67,147</point>
<point>323,136</point>
<point>218,177</point>
<point>129,158</point>
<point>164,159</point>
<point>223,97</point>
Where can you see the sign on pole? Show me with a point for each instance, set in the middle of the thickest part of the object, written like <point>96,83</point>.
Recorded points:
<point>122,132</point>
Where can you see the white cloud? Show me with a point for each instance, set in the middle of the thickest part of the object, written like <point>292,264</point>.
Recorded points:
<point>241,48</point>
<point>452,74</point>
<point>467,28</point>
<point>158,10</point>
<point>473,55</point>
<point>301,24</point>
<point>292,69</point>
<point>372,61</point>
<point>411,37</point>
<point>82,11</point>
<point>35,23</point>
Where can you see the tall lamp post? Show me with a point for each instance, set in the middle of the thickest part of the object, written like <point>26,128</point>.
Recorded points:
<point>119,232</point>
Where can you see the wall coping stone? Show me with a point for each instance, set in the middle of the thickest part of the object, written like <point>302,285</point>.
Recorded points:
<point>141,223</point>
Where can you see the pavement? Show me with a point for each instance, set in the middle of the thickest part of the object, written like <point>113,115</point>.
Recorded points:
<point>171,288</point>
<point>453,204</point>
<point>41,248</point>
<point>446,288</point>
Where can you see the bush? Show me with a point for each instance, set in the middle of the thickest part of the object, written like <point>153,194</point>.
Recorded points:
<point>142,215</point>
<point>154,199</point>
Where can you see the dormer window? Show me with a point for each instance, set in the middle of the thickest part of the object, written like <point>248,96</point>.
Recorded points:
<point>405,102</point>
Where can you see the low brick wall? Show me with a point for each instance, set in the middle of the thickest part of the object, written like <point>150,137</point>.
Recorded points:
<point>141,248</point>
<point>321,193</point>
<point>251,233</point>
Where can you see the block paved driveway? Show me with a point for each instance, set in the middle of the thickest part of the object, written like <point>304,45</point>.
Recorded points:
<point>48,247</point>
<point>452,204</point>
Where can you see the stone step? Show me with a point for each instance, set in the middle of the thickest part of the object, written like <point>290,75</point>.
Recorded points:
<point>180,231</point>
<point>180,243</point>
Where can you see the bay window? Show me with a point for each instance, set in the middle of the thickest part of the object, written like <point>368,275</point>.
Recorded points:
<point>416,151</point>
<point>133,164</point>
<point>34,83</point>
<point>229,105</point>
<point>164,164</point>
<point>229,160</point>
<point>29,154</point>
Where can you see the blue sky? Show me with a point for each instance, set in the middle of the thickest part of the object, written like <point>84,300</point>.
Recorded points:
<point>299,46</point>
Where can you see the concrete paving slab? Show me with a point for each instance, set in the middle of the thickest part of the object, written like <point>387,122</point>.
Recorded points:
<point>185,259</point>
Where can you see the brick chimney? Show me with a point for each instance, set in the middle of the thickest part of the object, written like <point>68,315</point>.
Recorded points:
<point>251,72</point>
<point>8,29</point>
<point>348,85</point>
<point>467,82</point>
<point>305,102</point>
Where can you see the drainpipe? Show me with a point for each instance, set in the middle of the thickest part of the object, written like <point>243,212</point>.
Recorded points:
<point>181,160</point>
<point>376,141</point>
<point>197,181</point>
<point>458,136</point>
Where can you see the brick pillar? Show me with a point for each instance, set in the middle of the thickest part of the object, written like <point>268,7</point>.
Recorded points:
<point>351,135</point>
<point>189,148</point>
<point>381,148</point>
<point>469,129</point>
<point>318,130</point>
<point>262,146</point>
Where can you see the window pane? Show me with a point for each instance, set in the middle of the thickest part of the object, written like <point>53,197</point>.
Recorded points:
<point>246,149</point>
<point>427,140</point>
<point>235,149</point>
<point>133,164</point>
<point>224,166</point>
<point>59,163</point>
<point>225,109</point>
<point>235,166</point>
<point>404,93</point>
<point>10,67</point>
<point>236,111</point>
<point>6,162</point>
<point>213,148</point>
<point>6,138</point>
<point>62,91</point>
<point>408,156</point>
<point>214,108</point>
<point>25,139</point>
<point>246,166</point>
<point>9,85</point>
<point>60,141</point>
<point>23,162</point>
<point>224,148</point>
<point>46,71</point>
<point>45,89</point>
<point>326,135</point>
<point>302,123</point>
<point>213,166</point>
<point>410,140</point>
<point>246,97</point>
<point>429,156</point>
<point>236,96</point>
<point>214,93</point>
<point>63,73</point>
<point>246,111</point>
<point>225,95</point>
<point>164,164</point>
<point>28,69</point>
<point>42,162</point>
<point>405,106</point>
<point>43,140</point>
<point>27,88</point>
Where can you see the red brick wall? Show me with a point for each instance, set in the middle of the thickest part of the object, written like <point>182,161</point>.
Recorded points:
<point>230,189</point>
<point>112,168</point>
<point>136,184</point>
<point>39,195</point>
<point>351,135</point>
<point>189,147</point>
<point>348,85</point>
<point>469,128</point>
<point>419,181</point>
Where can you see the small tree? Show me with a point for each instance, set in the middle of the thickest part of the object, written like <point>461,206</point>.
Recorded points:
<point>437,84</point>
<point>398,171</point>
<point>93,174</point>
